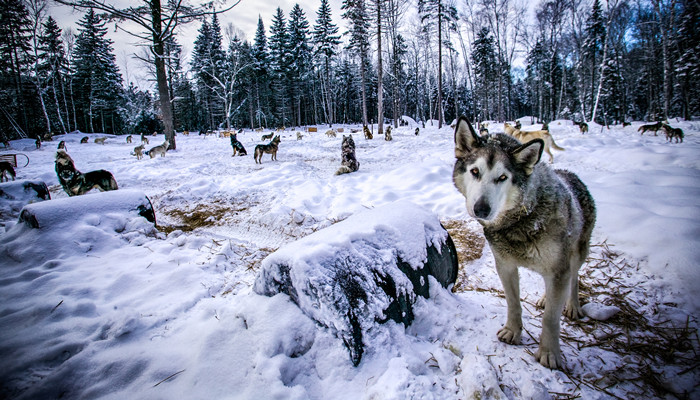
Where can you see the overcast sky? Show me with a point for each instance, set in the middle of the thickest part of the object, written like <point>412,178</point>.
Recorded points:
<point>243,17</point>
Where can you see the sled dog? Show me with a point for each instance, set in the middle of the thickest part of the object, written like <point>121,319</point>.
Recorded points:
<point>524,137</point>
<point>624,124</point>
<point>100,140</point>
<point>160,149</point>
<point>582,126</point>
<point>367,132</point>
<point>62,145</point>
<point>330,133</point>
<point>37,143</point>
<point>128,139</point>
<point>6,171</point>
<point>417,131</point>
<point>84,140</point>
<point>237,146</point>
<point>349,163</point>
<point>650,127</point>
<point>673,133</point>
<point>75,182</point>
<point>299,135</point>
<point>270,148</point>
<point>144,139</point>
<point>138,151</point>
<point>266,137</point>
<point>534,217</point>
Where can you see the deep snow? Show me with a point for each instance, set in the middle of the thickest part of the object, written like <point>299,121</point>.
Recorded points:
<point>109,306</point>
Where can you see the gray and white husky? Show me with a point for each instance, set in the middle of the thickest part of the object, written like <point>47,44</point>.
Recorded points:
<point>160,149</point>
<point>534,217</point>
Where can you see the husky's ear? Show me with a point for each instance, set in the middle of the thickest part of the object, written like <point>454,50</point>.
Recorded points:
<point>529,154</point>
<point>466,138</point>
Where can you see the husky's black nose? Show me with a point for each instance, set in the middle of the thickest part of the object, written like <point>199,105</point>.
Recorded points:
<point>482,209</point>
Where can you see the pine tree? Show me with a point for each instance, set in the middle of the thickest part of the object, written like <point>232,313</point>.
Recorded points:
<point>299,61</point>
<point>356,13</point>
<point>208,65</point>
<point>15,61</point>
<point>97,81</point>
<point>326,41</point>
<point>484,57</point>
<point>279,62</point>
<point>593,48</point>
<point>53,67</point>
<point>260,54</point>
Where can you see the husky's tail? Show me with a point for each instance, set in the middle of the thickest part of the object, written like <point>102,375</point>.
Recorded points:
<point>343,170</point>
<point>556,146</point>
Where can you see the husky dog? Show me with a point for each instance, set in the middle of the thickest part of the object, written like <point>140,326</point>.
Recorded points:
<point>259,129</point>
<point>75,182</point>
<point>138,151</point>
<point>100,140</point>
<point>387,134</point>
<point>84,140</point>
<point>237,146</point>
<point>546,137</point>
<point>673,133</point>
<point>6,171</point>
<point>186,133</point>
<point>266,137</point>
<point>62,145</point>
<point>624,124</point>
<point>160,149</point>
<point>517,124</point>
<point>270,148</point>
<point>281,129</point>
<point>417,131</point>
<point>299,135</point>
<point>128,139</point>
<point>582,126</point>
<point>349,163</point>
<point>367,132</point>
<point>144,139</point>
<point>483,128</point>
<point>330,133</point>
<point>48,137</point>
<point>650,127</point>
<point>533,217</point>
<point>37,143</point>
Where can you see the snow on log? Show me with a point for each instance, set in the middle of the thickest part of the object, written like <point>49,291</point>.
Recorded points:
<point>16,194</point>
<point>362,271</point>
<point>50,213</point>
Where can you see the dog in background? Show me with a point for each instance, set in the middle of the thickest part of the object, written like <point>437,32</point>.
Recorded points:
<point>299,135</point>
<point>266,137</point>
<point>349,163</point>
<point>75,183</point>
<point>330,133</point>
<point>533,217</point>
<point>144,139</point>
<point>673,133</point>
<point>544,135</point>
<point>62,145</point>
<point>367,132</point>
<point>417,131</point>
<point>582,126</point>
<point>160,149</point>
<point>84,140</point>
<point>7,171</point>
<point>650,127</point>
<point>624,124</point>
<point>138,151</point>
<point>37,143</point>
<point>100,140</point>
<point>270,148</point>
<point>237,146</point>
<point>128,139</point>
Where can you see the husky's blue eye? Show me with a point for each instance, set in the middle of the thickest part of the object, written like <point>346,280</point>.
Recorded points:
<point>474,172</point>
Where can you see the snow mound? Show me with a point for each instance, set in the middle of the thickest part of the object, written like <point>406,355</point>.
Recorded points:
<point>363,270</point>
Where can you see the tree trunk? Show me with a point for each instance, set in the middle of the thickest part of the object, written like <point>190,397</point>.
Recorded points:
<point>161,76</point>
<point>439,94</point>
<point>363,79</point>
<point>380,77</point>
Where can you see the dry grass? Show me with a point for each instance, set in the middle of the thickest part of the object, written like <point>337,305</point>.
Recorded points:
<point>198,215</point>
<point>470,247</point>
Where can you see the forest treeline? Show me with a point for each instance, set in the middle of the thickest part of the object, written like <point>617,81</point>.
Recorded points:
<point>429,59</point>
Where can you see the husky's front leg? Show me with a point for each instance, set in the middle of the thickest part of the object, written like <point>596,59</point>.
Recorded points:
<point>549,352</point>
<point>511,332</point>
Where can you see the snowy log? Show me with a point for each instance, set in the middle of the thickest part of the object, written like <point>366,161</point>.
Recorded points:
<point>51,213</point>
<point>363,271</point>
<point>16,194</point>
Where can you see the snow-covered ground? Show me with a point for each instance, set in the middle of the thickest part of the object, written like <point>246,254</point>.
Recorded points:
<point>109,306</point>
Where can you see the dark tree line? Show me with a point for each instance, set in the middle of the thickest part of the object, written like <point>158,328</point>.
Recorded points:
<point>579,59</point>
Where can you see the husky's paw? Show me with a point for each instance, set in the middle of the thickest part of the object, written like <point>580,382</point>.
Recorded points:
<point>549,359</point>
<point>541,302</point>
<point>510,336</point>
<point>573,312</point>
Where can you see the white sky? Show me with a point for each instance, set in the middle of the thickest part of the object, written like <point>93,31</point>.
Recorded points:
<point>243,17</point>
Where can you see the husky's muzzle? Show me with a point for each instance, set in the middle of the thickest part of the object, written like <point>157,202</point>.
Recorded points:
<point>482,208</point>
